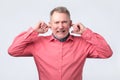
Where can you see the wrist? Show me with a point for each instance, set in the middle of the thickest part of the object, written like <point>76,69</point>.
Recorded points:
<point>35,30</point>
<point>83,30</point>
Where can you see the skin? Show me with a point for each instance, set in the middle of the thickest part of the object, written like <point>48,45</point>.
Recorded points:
<point>60,25</point>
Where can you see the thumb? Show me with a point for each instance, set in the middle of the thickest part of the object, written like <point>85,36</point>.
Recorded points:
<point>74,32</point>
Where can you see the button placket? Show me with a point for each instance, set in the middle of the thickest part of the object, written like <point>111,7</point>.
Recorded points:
<point>60,60</point>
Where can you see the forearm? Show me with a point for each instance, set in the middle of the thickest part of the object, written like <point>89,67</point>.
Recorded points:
<point>21,44</point>
<point>101,47</point>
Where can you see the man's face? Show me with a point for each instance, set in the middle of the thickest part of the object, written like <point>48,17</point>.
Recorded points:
<point>60,24</point>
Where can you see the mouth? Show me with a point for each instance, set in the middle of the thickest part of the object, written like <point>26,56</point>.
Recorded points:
<point>61,31</point>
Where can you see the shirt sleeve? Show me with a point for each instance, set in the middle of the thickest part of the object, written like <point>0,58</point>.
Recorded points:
<point>98,48</point>
<point>22,44</point>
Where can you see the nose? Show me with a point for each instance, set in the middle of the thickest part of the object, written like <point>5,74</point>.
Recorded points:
<point>60,25</point>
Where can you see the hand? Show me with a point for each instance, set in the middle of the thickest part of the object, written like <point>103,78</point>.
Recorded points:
<point>41,27</point>
<point>78,28</point>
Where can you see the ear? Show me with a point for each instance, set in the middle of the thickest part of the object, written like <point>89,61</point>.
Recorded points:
<point>71,23</point>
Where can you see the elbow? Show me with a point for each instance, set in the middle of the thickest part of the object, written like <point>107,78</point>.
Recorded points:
<point>11,52</point>
<point>108,54</point>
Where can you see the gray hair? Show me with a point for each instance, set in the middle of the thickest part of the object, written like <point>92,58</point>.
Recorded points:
<point>60,9</point>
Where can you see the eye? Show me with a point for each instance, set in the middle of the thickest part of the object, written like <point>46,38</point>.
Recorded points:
<point>64,22</point>
<point>56,22</point>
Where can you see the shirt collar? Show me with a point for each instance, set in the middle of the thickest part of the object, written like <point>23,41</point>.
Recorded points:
<point>52,38</point>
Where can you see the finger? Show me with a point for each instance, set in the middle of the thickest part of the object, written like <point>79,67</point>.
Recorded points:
<point>72,25</point>
<point>49,26</point>
<point>43,25</point>
<point>46,30</point>
<point>76,27</point>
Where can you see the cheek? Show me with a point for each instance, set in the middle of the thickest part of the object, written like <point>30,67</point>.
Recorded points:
<point>53,29</point>
<point>67,28</point>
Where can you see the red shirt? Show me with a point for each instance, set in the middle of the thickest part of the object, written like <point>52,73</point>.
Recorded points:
<point>57,60</point>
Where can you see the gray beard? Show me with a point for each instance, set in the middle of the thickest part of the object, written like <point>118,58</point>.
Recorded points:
<point>63,39</point>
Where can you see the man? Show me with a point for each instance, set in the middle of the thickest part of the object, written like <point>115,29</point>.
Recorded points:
<point>60,56</point>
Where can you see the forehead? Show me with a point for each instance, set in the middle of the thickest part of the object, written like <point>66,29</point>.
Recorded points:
<point>59,16</point>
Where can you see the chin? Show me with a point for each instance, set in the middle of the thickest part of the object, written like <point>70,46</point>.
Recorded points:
<point>61,37</point>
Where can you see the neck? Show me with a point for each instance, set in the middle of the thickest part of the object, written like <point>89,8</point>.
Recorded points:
<point>62,39</point>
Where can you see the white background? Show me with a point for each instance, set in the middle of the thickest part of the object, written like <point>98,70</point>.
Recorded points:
<point>102,16</point>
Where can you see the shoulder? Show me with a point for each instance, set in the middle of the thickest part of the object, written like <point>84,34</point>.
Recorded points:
<point>78,39</point>
<point>75,37</point>
<point>43,38</point>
